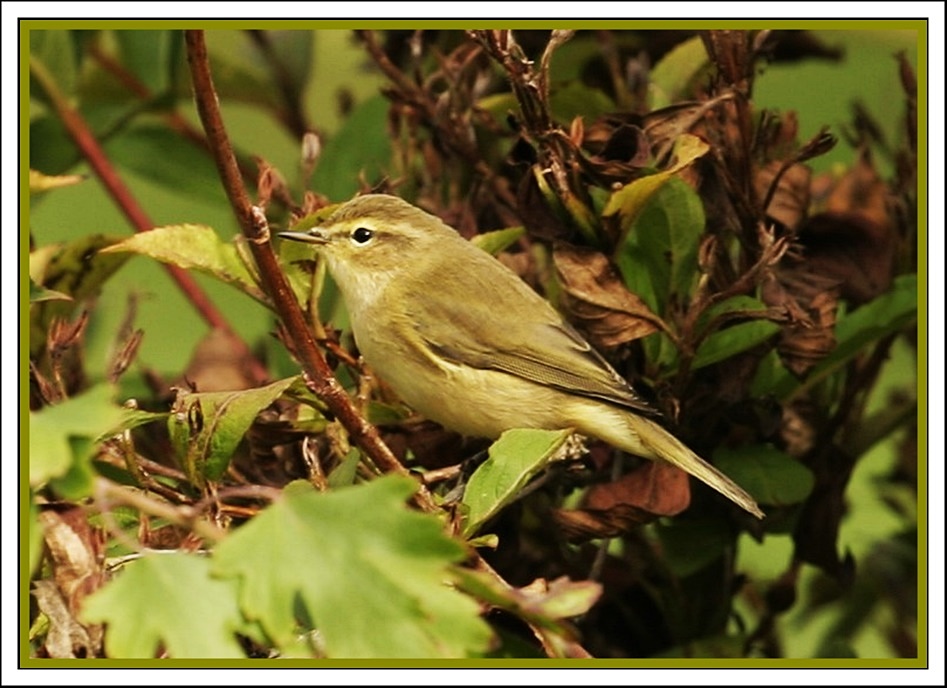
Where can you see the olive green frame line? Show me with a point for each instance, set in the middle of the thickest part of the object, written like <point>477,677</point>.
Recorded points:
<point>919,25</point>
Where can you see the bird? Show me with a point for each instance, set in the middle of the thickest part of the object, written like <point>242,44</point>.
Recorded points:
<point>465,342</point>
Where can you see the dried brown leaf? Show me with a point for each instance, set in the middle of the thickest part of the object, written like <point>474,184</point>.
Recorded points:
<point>219,363</point>
<point>789,202</point>
<point>810,299</point>
<point>76,551</point>
<point>582,525</point>
<point>656,487</point>
<point>854,241</point>
<point>598,299</point>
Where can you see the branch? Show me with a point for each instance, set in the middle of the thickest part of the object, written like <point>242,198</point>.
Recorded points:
<point>89,146</point>
<point>254,226</point>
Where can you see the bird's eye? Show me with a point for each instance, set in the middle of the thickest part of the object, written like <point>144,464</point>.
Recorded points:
<point>362,235</point>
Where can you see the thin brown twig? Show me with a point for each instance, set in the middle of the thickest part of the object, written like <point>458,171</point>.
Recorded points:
<point>319,377</point>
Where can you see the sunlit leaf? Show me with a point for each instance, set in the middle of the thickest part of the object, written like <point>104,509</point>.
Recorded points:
<point>499,240</point>
<point>513,461</point>
<point>674,73</point>
<point>193,247</point>
<point>40,182</point>
<point>357,565</point>
<point>630,200</point>
<point>170,601</point>
<point>55,429</point>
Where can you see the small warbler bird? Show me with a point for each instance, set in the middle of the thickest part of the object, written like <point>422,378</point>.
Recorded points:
<point>465,342</point>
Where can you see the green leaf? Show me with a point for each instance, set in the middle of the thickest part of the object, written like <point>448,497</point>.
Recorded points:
<point>55,50</point>
<point>168,601</point>
<point>630,200</point>
<point>35,541</point>
<point>344,474</point>
<point>159,154</point>
<point>575,99</point>
<point>658,255</point>
<point>541,605</point>
<point>690,544</point>
<point>38,293</point>
<point>732,340</point>
<point>357,565</point>
<point>206,427</point>
<point>293,51</point>
<point>513,460</point>
<point>672,76</point>
<point>194,247</point>
<point>55,429</point>
<point>361,146</point>
<point>498,241</point>
<point>771,476</point>
<point>150,55</point>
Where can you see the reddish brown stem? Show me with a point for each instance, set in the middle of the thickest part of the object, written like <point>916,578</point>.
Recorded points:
<point>94,154</point>
<point>255,228</point>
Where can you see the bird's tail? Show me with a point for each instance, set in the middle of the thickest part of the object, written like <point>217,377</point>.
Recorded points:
<point>666,446</point>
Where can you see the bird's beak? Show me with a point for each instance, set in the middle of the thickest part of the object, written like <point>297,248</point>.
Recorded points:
<point>313,236</point>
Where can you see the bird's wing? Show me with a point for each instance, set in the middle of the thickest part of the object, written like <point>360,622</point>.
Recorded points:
<point>509,327</point>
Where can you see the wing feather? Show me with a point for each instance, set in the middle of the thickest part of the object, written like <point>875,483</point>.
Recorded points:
<point>509,327</point>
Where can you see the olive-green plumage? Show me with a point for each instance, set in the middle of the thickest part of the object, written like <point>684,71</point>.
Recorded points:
<point>467,343</point>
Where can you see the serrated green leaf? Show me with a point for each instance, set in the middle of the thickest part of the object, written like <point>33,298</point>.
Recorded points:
<point>732,340</point>
<point>54,430</point>
<point>369,573</point>
<point>497,241</point>
<point>168,601</point>
<point>513,460</point>
<point>158,153</point>
<point>771,476</point>
<point>206,427</point>
<point>361,146</point>
<point>193,247</point>
<point>672,76</point>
